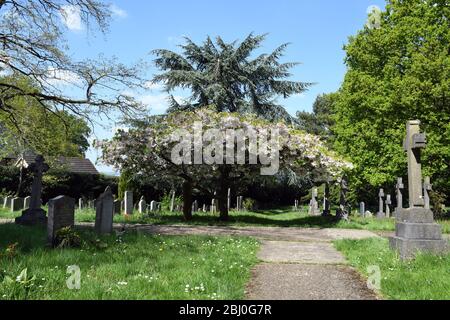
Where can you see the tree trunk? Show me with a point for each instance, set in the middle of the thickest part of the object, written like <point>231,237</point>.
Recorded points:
<point>187,200</point>
<point>223,195</point>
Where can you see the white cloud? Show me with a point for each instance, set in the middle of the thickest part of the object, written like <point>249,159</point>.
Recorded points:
<point>118,12</point>
<point>71,17</point>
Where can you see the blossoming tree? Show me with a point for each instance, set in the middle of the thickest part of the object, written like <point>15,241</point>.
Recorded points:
<point>210,151</point>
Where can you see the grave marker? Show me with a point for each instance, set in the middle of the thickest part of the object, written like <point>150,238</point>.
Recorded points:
<point>61,214</point>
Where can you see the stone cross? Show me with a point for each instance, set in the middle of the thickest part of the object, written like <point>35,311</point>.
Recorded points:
<point>34,214</point>
<point>414,141</point>
<point>104,212</point>
<point>128,203</point>
<point>61,214</point>
<point>380,204</point>
<point>399,187</point>
<point>427,186</point>
<point>388,203</point>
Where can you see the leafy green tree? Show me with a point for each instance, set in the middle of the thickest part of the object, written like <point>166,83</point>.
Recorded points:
<point>225,75</point>
<point>320,121</point>
<point>398,70</point>
<point>29,127</point>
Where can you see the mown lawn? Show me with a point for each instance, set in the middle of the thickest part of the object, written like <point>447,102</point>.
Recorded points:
<point>130,266</point>
<point>268,218</point>
<point>425,278</point>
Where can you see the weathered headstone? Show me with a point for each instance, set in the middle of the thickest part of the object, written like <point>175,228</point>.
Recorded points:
<point>204,208</point>
<point>415,227</point>
<point>427,186</point>
<point>362,209</point>
<point>314,205</point>
<point>399,196</point>
<point>35,214</point>
<point>7,202</point>
<point>213,206</point>
<point>61,214</point>
<point>172,201</point>
<point>388,204</point>
<point>117,206</point>
<point>104,212</point>
<point>342,212</point>
<point>142,205</point>
<point>153,206</point>
<point>295,205</point>
<point>195,206</point>
<point>80,204</point>
<point>229,199</point>
<point>380,213</point>
<point>26,202</point>
<point>17,204</point>
<point>128,203</point>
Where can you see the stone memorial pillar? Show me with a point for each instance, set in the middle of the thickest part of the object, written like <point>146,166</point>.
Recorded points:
<point>362,209</point>
<point>399,187</point>
<point>128,203</point>
<point>388,208</point>
<point>380,213</point>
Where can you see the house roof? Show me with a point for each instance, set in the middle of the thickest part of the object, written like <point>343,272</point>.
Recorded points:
<point>74,165</point>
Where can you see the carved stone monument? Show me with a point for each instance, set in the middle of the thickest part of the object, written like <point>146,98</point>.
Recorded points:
<point>427,186</point>
<point>314,205</point>
<point>380,213</point>
<point>34,214</point>
<point>399,187</point>
<point>388,206</point>
<point>415,227</point>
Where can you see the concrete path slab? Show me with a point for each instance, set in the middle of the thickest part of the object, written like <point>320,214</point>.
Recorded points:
<point>273,281</point>
<point>300,252</point>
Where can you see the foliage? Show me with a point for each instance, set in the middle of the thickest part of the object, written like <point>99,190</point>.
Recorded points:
<point>320,121</point>
<point>20,287</point>
<point>225,75</point>
<point>397,71</point>
<point>52,134</point>
<point>437,201</point>
<point>67,238</point>
<point>249,204</point>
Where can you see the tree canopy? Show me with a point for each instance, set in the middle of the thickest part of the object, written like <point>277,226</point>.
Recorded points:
<point>227,76</point>
<point>398,70</point>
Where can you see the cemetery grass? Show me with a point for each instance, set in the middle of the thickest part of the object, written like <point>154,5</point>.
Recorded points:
<point>263,218</point>
<point>425,278</point>
<point>283,217</point>
<point>130,266</point>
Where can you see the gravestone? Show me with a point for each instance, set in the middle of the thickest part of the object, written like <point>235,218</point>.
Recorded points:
<point>362,209</point>
<point>380,213</point>
<point>239,201</point>
<point>34,214</point>
<point>17,204</point>
<point>399,196</point>
<point>142,205</point>
<point>195,206</point>
<point>415,228</point>
<point>229,199</point>
<point>153,206</point>
<point>314,205</point>
<point>80,204</point>
<point>7,202</point>
<point>295,205</point>
<point>427,186</point>
<point>117,206</point>
<point>204,208</point>
<point>128,203</point>
<point>104,212</point>
<point>213,206</point>
<point>172,202</point>
<point>26,202</point>
<point>326,200</point>
<point>61,214</point>
<point>388,208</point>
<point>342,212</point>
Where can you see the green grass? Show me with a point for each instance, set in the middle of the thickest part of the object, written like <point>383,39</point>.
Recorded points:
<point>132,266</point>
<point>268,218</point>
<point>425,278</point>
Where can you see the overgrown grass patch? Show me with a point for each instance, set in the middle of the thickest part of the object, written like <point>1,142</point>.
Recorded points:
<point>130,266</point>
<point>425,278</point>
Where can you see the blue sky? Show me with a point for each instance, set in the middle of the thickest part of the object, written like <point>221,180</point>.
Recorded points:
<point>316,29</point>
